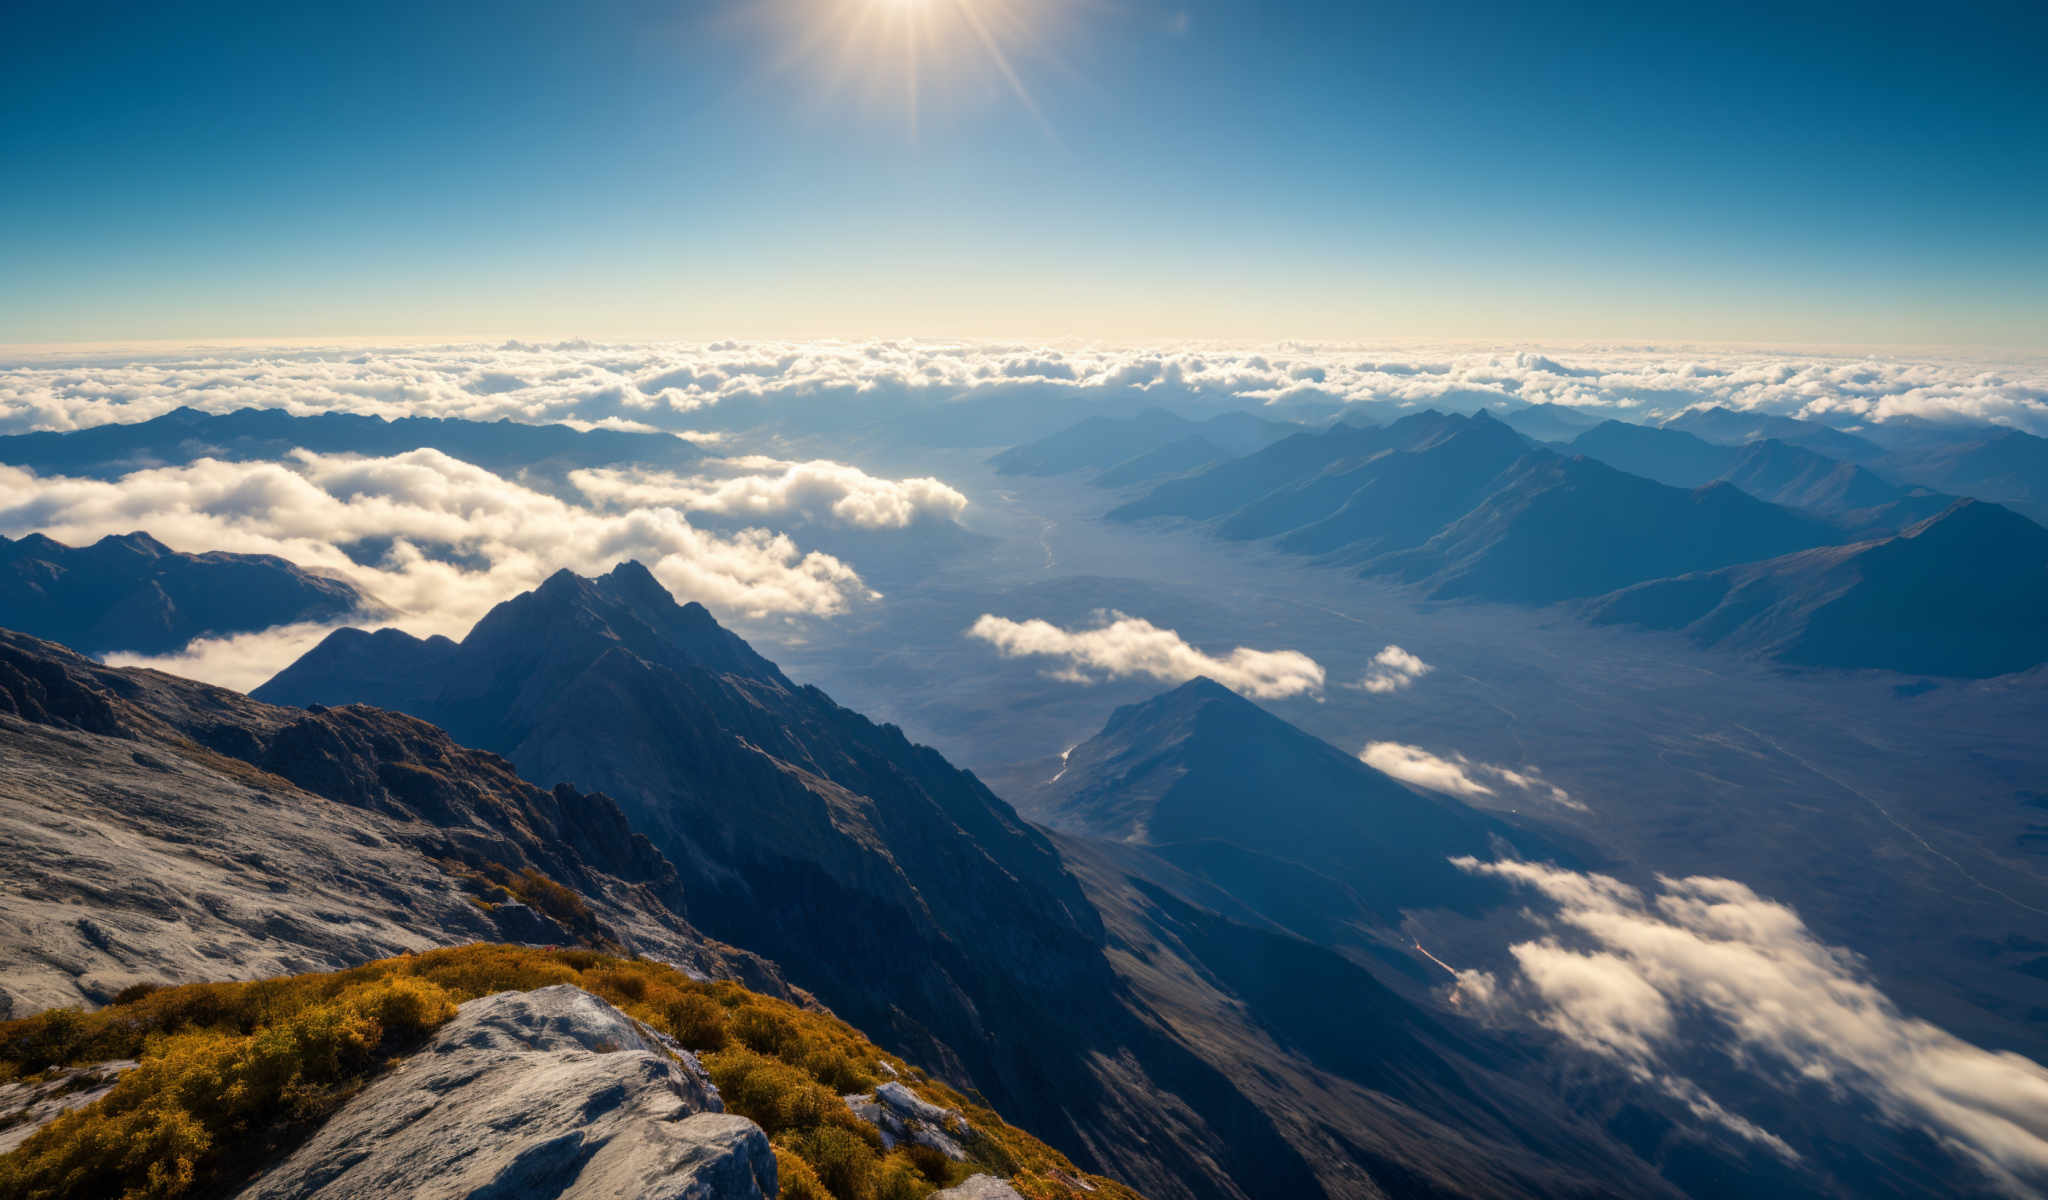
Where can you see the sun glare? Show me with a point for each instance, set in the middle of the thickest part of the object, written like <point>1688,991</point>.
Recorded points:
<point>906,55</point>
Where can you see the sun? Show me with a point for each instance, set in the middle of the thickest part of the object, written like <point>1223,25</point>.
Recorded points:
<point>907,54</point>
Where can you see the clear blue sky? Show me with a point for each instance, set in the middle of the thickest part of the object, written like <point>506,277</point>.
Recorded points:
<point>1794,173</point>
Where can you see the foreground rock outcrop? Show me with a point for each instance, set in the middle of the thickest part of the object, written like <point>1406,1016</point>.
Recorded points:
<point>153,829</point>
<point>548,1093</point>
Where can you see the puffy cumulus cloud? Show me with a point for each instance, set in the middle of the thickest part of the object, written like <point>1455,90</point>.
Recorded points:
<point>1635,977</point>
<point>1458,775</point>
<point>1392,669</point>
<point>434,539</point>
<point>818,490</point>
<point>676,386</point>
<point>1125,647</point>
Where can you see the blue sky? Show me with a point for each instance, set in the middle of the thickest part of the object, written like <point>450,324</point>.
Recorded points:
<point>1789,173</point>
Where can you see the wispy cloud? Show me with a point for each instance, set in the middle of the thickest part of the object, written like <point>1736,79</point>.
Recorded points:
<point>1634,976</point>
<point>1457,775</point>
<point>1124,647</point>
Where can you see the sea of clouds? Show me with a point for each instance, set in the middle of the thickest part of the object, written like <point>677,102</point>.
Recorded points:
<point>699,386</point>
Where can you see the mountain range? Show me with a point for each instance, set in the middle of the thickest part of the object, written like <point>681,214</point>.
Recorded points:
<point>912,901</point>
<point>132,592</point>
<point>1963,593</point>
<point>185,435</point>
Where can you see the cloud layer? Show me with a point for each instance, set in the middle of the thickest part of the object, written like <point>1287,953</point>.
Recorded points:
<point>678,387</point>
<point>1457,775</point>
<point>436,540</point>
<point>1125,647</point>
<point>1632,976</point>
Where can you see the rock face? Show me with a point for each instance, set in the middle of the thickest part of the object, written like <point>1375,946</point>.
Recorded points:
<point>156,829</point>
<point>135,593</point>
<point>549,1093</point>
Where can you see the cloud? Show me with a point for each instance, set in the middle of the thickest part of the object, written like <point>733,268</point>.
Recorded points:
<point>1633,977</point>
<point>1392,669</point>
<point>1125,647</point>
<point>242,662</point>
<point>434,539</point>
<point>677,386</point>
<point>1461,776</point>
<point>819,490</point>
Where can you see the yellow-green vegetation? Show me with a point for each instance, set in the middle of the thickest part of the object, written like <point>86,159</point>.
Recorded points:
<point>231,1073</point>
<point>493,883</point>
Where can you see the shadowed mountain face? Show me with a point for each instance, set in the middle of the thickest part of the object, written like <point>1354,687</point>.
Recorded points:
<point>1794,475</point>
<point>913,901</point>
<point>156,828</point>
<point>1468,509</point>
<point>1961,594</point>
<point>1284,822</point>
<point>134,593</point>
<point>2005,466</point>
<point>259,434</point>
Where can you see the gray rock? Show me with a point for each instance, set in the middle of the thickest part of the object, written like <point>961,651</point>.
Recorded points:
<point>900,1115</point>
<point>549,1093</point>
<point>28,1105</point>
<point>979,1187</point>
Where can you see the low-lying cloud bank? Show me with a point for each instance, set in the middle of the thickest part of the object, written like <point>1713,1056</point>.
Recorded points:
<point>1457,775</point>
<point>1633,976</point>
<point>1126,647</point>
<point>766,488</point>
<point>687,386</point>
<point>436,540</point>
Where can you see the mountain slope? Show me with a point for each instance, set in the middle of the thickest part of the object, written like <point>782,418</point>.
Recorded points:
<point>1734,427</point>
<point>904,895</point>
<point>1964,593</point>
<point>157,828</point>
<point>134,593</point>
<point>1555,528</point>
<point>1238,797</point>
<point>263,434</point>
<point>2005,466</point>
<point>1103,443</point>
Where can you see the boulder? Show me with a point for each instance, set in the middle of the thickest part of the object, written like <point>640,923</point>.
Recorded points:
<point>548,1093</point>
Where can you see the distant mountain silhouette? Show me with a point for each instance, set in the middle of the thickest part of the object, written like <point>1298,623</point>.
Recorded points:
<point>185,435</point>
<point>1468,508</point>
<point>1731,427</point>
<point>1964,593</point>
<point>2005,466</point>
<point>1794,475</point>
<point>132,592</point>
<point>1104,443</point>
<point>1548,422</point>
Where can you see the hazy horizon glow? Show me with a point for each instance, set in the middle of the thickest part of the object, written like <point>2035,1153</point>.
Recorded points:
<point>1027,169</point>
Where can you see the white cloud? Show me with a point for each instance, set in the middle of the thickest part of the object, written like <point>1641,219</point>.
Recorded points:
<point>1458,775</point>
<point>677,386</point>
<point>1392,669</point>
<point>1632,976</point>
<point>242,661</point>
<point>446,540</point>
<point>1125,647</point>
<point>819,490</point>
